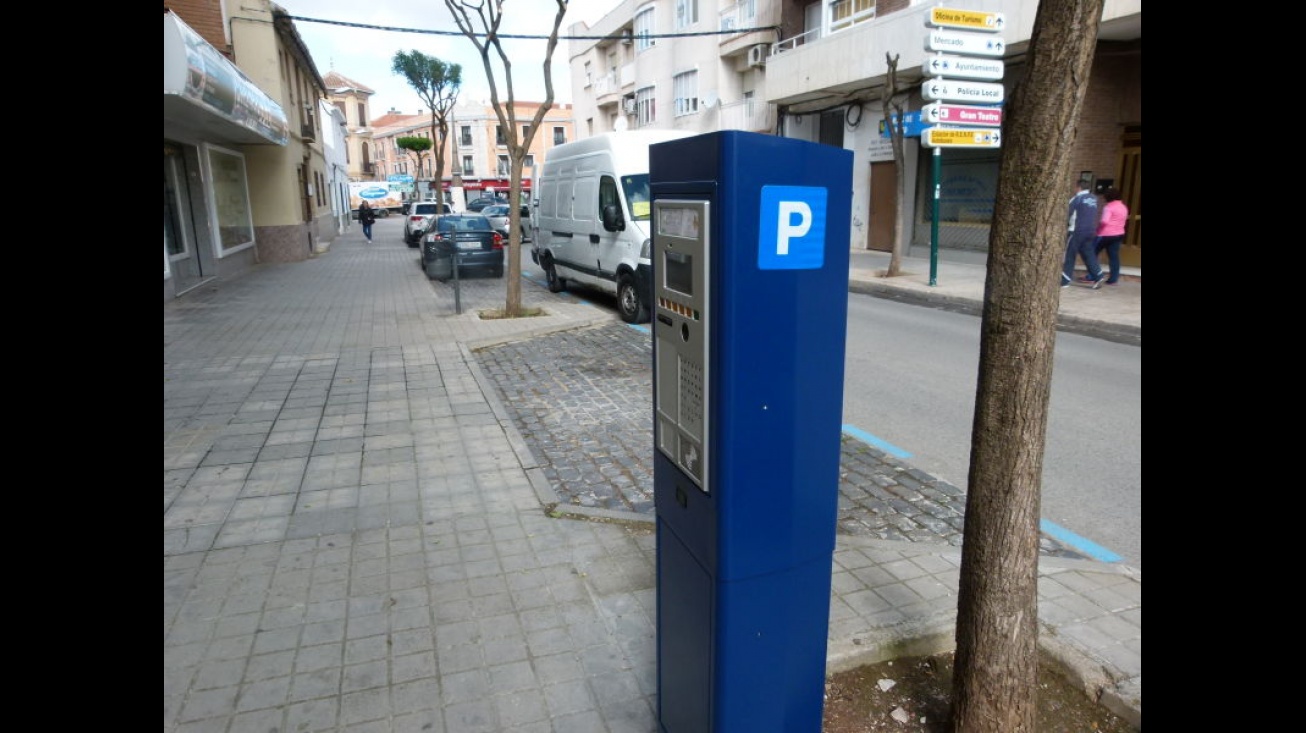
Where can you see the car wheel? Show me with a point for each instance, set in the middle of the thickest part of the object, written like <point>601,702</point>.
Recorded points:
<point>632,311</point>
<point>556,284</point>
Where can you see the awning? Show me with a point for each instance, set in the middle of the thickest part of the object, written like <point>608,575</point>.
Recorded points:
<point>208,96</point>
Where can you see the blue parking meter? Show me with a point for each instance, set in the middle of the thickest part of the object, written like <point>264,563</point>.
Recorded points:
<point>750,299</point>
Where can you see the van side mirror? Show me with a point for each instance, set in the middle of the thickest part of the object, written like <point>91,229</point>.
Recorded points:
<point>612,220</point>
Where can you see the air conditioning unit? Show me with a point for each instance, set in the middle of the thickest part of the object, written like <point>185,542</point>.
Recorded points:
<point>757,55</point>
<point>308,131</point>
<point>628,105</point>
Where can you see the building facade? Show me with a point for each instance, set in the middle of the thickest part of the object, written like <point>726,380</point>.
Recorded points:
<point>245,177</point>
<point>352,100</point>
<point>477,151</point>
<point>817,70</point>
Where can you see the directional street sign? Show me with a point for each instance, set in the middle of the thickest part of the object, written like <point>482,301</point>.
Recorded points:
<point>957,137</point>
<point>938,113</point>
<point>967,19</point>
<point>976,44</point>
<point>911,125</point>
<point>963,67</point>
<point>946,90</point>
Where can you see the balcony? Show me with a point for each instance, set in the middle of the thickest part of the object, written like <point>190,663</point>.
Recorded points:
<point>746,14</point>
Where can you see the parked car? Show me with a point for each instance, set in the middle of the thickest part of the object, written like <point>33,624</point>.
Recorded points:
<point>499,216</point>
<point>420,214</point>
<point>470,236</point>
<point>479,203</point>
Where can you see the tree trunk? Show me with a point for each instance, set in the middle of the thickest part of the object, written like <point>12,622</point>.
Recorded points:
<point>899,159</point>
<point>995,678</point>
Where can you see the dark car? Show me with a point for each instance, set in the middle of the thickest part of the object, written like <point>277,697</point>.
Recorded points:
<point>477,204</point>
<point>468,236</point>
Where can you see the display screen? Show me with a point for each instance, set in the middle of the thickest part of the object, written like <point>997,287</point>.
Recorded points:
<point>678,272</point>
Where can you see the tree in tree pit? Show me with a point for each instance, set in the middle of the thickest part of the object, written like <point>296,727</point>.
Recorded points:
<point>995,678</point>
<point>437,83</point>
<point>479,20</point>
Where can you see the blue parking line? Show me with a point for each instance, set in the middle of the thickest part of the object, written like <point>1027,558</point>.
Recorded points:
<point>869,439</point>
<point>1087,547</point>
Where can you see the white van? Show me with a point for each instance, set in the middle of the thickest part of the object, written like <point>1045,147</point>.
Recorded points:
<point>590,223</point>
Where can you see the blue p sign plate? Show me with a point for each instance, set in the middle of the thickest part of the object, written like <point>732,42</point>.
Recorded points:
<point>792,228</point>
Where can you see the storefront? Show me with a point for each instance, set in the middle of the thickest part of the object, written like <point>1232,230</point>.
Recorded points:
<point>211,113</point>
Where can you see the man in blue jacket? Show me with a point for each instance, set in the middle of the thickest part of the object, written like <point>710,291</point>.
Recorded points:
<point>1081,234</point>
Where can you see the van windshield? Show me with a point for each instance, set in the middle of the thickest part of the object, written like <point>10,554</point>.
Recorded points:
<point>636,189</point>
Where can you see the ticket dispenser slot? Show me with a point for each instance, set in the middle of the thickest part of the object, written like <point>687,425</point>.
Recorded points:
<point>750,299</point>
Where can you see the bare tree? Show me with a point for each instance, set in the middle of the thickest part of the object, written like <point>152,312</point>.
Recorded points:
<point>437,83</point>
<point>893,118</point>
<point>994,685</point>
<point>479,20</point>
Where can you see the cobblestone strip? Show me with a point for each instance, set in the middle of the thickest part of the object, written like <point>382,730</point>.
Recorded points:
<point>583,402</point>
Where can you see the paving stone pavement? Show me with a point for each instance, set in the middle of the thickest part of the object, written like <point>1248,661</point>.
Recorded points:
<point>357,535</point>
<point>582,400</point>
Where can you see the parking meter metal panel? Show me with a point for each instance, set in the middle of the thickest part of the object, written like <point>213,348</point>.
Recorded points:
<point>750,270</point>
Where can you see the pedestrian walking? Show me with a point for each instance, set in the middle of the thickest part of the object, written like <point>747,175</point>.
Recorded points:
<point>1081,233</point>
<point>1111,231</point>
<point>367,218</point>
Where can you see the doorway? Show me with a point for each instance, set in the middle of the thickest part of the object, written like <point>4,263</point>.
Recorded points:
<point>884,206</point>
<point>179,240</point>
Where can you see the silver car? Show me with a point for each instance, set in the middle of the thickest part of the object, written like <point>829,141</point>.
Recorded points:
<point>419,218</point>
<point>499,219</point>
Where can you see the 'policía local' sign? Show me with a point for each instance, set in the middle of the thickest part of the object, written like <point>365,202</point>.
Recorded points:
<point>947,90</point>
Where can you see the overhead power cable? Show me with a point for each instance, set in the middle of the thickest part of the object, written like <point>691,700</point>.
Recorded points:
<point>528,36</point>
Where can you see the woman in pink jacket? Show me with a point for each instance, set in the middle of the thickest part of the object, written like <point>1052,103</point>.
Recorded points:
<point>1111,230</point>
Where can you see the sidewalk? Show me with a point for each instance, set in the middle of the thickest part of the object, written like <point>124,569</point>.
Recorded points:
<point>354,537</point>
<point>1112,312</point>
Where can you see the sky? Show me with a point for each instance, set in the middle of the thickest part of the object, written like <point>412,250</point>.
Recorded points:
<point>366,55</point>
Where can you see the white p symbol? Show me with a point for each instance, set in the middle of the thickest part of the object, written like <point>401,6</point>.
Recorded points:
<point>785,228</point>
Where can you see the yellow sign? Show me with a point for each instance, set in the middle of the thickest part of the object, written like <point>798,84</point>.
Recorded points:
<point>940,137</point>
<point>968,19</point>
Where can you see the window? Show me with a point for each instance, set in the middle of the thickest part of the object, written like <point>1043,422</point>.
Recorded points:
<point>529,162</point>
<point>503,166</point>
<point>498,135</point>
<point>465,135</point>
<point>525,131</point>
<point>468,168</point>
<point>845,13</point>
<point>362,115</point>
<point>686,13</point>
<point>235,227</point>
<point>559,135</point>
<point>608,195</point>
<point>644,29</point>
<point>645,107</point>
<point>589,74</point>
<point>685,87</point>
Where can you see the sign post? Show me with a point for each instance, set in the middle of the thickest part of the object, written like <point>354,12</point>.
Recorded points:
<point>950,79</point>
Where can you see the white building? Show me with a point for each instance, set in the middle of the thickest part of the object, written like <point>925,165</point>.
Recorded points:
<point>816,71</point>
